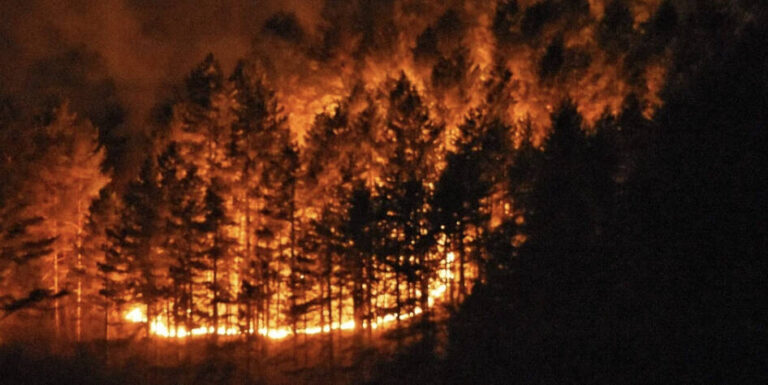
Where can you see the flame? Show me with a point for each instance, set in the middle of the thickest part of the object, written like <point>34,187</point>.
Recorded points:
<point>136,315</point>
<point>161,327</point>
<point>306,85</point>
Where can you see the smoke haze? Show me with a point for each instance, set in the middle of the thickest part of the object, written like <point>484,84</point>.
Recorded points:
<point>117,59</point>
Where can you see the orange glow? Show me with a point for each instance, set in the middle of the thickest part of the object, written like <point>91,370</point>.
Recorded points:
<point>162,327</point>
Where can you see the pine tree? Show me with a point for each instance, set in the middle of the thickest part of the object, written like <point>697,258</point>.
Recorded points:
<point>413,141</point>
<point>258,135</point>
<point>462,207</point>
<point>134,241</point>
<point>323,241</point>
<point>18,247</point>
<point>185,241</point>
<point>360,236</point>
<point>456,204</point>
<point>66,178</point>
<point>24,243</point>
<point>218,248</point>
<point>103,214</point>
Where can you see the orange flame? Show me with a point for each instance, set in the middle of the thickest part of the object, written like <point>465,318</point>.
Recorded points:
<point>161,326</point>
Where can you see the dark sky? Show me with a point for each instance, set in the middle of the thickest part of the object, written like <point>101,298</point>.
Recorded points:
<point>140,45</point>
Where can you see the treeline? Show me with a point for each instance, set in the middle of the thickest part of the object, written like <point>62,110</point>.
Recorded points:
<point>234,222</point>
<point>231,225</point>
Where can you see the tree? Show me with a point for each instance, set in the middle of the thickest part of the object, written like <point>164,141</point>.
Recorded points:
<point>359,232</point>
<point>72,165</point>
<point>133,242</point>
<point>185,240</point>
<point>322,242</point>
<point>690,237</point>
<point>456,202</point>
<point>18,247</point>
<point>412,140</point>
<point>218,248</point>
<point>103,214</point>
<point>56,167</point>
<point>22,241</point>
<point>258,135</point>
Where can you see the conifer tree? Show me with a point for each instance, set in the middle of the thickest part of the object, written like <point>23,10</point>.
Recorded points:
<point>24,243</point>
<point>134,241</point>
<point>104,213</point>
<point>413,141</point>
<point>67,176</point>
<point>218,248</point>
<point>185,241</point>
<point>360,236</point>
<point>18,247</point>
<point>323,241</point>
<point>258,135</point>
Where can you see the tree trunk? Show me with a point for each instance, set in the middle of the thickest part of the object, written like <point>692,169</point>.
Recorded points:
<point>398,302</point>
<point>190,302</point>
<point>358,297</point>
<point>56,315</point>
<point>424,288</point>
<point>215,300</point>
<point>106,322</point>
<point>369,295</point>
<point>339,321</point>
<point>78,246</point>
<point>147,324</point>
<point>292,255</point>
<point>306,347</point>
<point>329,302</point>
<point>462,261</point>
<point>279,304</point>
<point>248,336</point>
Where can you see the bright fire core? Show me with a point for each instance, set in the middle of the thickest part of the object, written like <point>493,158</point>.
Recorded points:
<point>440,289</point>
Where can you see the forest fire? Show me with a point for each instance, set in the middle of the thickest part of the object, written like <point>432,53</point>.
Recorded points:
<point>315,181</point>
<point>249,192</point>
<point>162,327</point>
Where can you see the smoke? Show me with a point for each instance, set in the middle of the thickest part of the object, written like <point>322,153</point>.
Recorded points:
<point>116,59</point>
<point>141,46</point>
